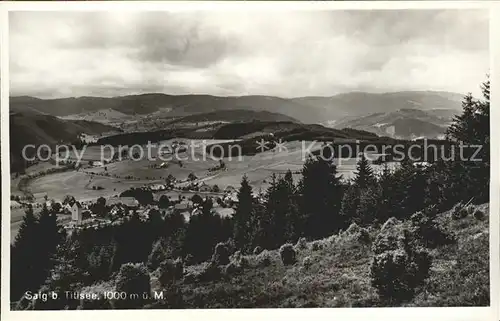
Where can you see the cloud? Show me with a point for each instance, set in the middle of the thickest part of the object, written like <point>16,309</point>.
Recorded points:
<point>293,53</point>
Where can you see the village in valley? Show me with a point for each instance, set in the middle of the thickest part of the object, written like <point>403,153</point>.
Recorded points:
<point>74,214</point>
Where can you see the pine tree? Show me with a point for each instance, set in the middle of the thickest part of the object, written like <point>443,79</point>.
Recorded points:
<point>364,173</point>
<point>293,226</point>
<point>350,203</point>
<point>282,211</point>
<point>243,215</point>
<point>23,257</point>
<point>386,206</point>
<point>320,197</point>
<point>472,128</point>
<point>463,128</point>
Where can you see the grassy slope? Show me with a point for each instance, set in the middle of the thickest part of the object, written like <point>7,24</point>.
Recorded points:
<point>339,275</point>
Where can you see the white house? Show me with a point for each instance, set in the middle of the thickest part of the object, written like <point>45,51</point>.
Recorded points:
<point>130,202</point>
<point>76,212</point>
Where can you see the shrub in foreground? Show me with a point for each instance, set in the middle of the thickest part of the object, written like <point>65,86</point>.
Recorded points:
<point>170,271</point>
<point>257,250</point>
<point>287,254</point>
<point>221,254</point>
<point>209,272</point>
<point>132,279</point>
<point>428,231</point>
<point>479,215</point>
<point>264,259</point>
<point>301,244</point>
<point>317,245</point>
<point>459,211</point>
<point>396,274</point>
<point>307,262</point>
<point>392,221</point>
<point>360,234</point>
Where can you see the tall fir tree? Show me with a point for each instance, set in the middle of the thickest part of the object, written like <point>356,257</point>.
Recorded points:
<point>350,203</point>
<point>281,209</point>
<point>320,197</point>
<point>364,173</point>
<point>243,216</point>
<point>463,128</point>
<point>23,257</point>
<point>472,128</point>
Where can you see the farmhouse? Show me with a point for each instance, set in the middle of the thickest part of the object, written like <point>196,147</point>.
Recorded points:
<point>67,208</point>
<point>76,212</point>
<point>130,202</point>
<point>230,189</point>
<point>230,199</point>
<point>158,187</point>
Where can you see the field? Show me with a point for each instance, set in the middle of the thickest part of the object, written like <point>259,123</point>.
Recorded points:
<point>119,176</point>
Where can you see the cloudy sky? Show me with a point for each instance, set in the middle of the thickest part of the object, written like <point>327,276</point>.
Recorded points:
<point>288,54</point>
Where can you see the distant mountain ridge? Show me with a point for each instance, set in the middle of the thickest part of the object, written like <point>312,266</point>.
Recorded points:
<point>236,115</point>
<point>305,109</point>
<point>405,123</point>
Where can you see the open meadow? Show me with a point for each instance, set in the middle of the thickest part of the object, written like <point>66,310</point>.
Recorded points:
<point>118,176</point>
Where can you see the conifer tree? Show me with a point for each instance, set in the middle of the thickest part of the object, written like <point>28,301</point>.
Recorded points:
<point>281,209</point>
<point>350,203</point>
<point>364,173</point>
<point>463,128</point>
<point>243,215</point>
<point>293,228</point>
<point>23,257</point>
<point>320,197</point>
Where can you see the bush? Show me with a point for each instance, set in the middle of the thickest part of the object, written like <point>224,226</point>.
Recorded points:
<point>170,271</point>
<point>479,215</point>
<point>158,254</point>
<point>301,244</point>
<point>307,262</point>
<point>257,250</point>
<point>363,236</point>
<point>428,231</point>
<point>132,278</point>
<point>237,264</point>
<point>264,259</point>
<point>387,239</point>
<point>470,209</point>
<point>396,274</point>
<point>236,256</point>
<point>244,262</point>
<point>317,245</point>
<point>210,272</point>
<point>189,259</point>
<point>232,268</point>
<point>360,234</point>
<point>459,211</point>
<point>353,229</point>
<point>392,221</point>
<point>287,254</point>
<point>221,254</point>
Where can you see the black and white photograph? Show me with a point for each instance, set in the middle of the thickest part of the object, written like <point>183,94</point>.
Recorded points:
<point>218,159</point>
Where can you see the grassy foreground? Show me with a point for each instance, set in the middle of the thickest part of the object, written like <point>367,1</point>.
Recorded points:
<point>339,274</point>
